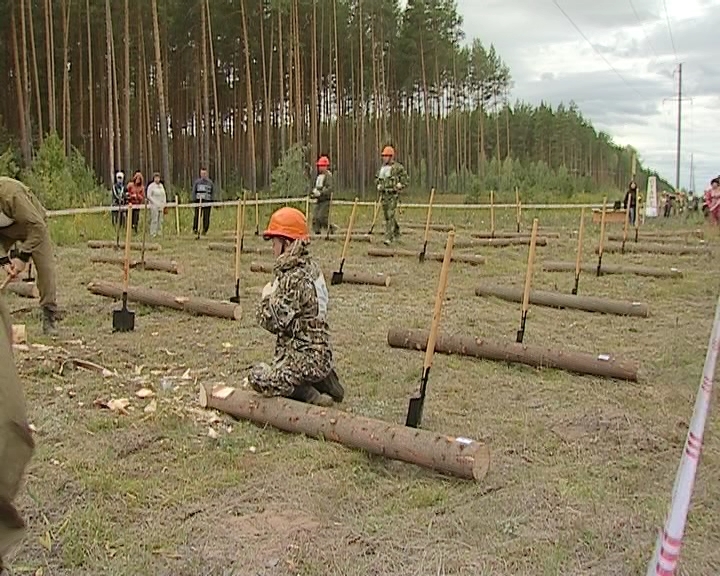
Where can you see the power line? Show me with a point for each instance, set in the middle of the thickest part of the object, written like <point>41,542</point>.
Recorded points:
<point>596,50</point>
<point>667,19</point>
<point>642,26</point>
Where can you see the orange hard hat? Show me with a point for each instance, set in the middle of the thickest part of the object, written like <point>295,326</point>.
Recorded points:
<point>388,151</point>
<point>323,162</point>
<point>287,223</point>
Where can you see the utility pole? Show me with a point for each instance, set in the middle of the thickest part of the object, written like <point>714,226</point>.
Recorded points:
<point>679,129</point>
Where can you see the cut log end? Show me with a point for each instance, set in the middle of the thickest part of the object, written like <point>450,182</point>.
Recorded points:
<point>203,397</point>
<point>237,313</point>
<point>481,463</point>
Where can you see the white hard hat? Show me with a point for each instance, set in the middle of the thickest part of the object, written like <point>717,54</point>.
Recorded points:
<point>120,176</point>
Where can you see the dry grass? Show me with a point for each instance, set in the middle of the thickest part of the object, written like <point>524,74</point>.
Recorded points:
<point>582,467</point>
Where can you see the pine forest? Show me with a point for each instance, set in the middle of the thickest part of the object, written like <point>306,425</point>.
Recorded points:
<point>95,86</point>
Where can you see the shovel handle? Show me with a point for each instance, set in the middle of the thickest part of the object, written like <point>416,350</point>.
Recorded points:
<point>126,270</point>
<point>581,230</point>
<point>529,272</point>
<point>429,216</point>
<point>238,243</point>
<point>492,213</point>
<point>439,298</point>
<point>517,209</point>
<point>257,215</point>
<point>349,232</point>
<point>627,224</point>
<point>177,214</point>
<point>602,228</point>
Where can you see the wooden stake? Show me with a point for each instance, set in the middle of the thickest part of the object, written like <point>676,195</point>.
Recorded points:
<point>329,224</point>
<point>257,215</point>
<point>578,259</point>
<point>517,210</point>
<point>492,213</point>
<point>177,215</point>
<point>417,402</point>
<point>627,224</point>
<point>427,226</point>
<point>238,249</point>
<point>638,204</point>
<point>602,235</point>
<point>528,283</point>
<point>242,220</point>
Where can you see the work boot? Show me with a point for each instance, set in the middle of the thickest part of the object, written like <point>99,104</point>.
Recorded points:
<point>331,386</point>
<point>310,395</point>
<point>12,529</point>
<point>49,320</point>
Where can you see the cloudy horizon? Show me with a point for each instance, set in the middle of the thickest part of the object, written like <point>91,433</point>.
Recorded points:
<point>636,103</point>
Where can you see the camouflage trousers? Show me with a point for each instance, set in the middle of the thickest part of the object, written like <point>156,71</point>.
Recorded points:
<point>16,441</point>
<point>286,374</point>
<point>389,202</point>
<point>321,216</point>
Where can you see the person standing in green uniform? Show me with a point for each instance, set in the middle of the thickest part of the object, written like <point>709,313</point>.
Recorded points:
<point>391,179</point>
<point>322,193</point>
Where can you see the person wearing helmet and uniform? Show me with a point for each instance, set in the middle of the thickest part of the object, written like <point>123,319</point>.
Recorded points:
<point>322,192</point>
<point>16,441</point>
<point>392,178</point>
<point>294,307</point>
<point>631,199</point>
<point>23,221</point>
<point>119,197</point>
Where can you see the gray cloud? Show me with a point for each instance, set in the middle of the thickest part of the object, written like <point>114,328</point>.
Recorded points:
<point>630,108</point>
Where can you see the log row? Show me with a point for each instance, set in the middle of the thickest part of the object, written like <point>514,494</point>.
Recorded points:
<point>632,247</point>
<point>460,258</point>
<point>97,244</point>
<point>556,300</point>
<point>449,455</point>
<point>348,277</point>
<point>499,242</point>
<point>191,304</point>
<point>604,365</point>
<point>171,267</point>
<point>611,269</point>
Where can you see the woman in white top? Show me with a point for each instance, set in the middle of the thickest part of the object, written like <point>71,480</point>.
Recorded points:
<point>157,198</point>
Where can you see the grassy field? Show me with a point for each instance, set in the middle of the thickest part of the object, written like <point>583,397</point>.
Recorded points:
<point>582,468</point>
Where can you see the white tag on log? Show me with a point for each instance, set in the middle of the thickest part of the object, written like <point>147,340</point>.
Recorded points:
<point>465,441</point>
<point>604,357</point>
<point>674,270</point>
<point>637,303</point>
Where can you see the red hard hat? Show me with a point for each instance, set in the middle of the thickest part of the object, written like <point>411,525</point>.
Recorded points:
<point>323,162</point>
<point>287,223</point>
<point>388,151</point>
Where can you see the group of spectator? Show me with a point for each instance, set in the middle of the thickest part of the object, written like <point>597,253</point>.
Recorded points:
<point>134,193</point>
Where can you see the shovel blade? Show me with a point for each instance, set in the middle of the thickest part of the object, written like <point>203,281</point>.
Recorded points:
<point>337,278</point>
<point>415,411</point>
<point>123,320</point>
<point>520,336</point>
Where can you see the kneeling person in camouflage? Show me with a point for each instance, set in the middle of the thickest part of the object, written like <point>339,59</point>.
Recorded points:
<point>294,308</point>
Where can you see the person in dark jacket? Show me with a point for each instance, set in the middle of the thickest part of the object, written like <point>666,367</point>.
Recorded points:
<point>322,193</point>
<point>203,190</point>
<point>631,200</point>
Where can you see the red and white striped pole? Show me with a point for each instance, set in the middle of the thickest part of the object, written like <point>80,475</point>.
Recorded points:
<point>667,550</point>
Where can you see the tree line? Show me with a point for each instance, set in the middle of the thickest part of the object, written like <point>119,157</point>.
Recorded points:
<point>170,85</point>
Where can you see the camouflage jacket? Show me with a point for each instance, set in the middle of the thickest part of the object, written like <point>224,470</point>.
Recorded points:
<point>296,311</point>
<point>397,175</point>
<point>19,206</point>
<point>324,185</point>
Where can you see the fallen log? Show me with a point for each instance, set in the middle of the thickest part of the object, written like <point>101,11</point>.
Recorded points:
<point>191,304</point>
<point>341,237</point>
<point>348,277</point>
<point>227,247</point>
<point>556,300</point>
<point>632,247</point>
<point>171,267</point>
<point>460,457</point>
<point>610,269</point>
<point>23,289</point>
<point>523,235</point>
<point>605,365</point>
<point>434,227</point>
<point>648,238</point>
<point>96,244</point>
<point>459,258</point>
<point>649,232</point>
<point>499,242</point>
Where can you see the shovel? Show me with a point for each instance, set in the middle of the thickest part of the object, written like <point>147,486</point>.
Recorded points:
<point>375,215</point>
<point>578,259</point>
<point>517,209</point>
<point>427,226</point>
<point>528,283</point>
<point>602,236</point>
<point>337,277</point>
<point>124,319</point>
<point>417,401</point>
<point>238,251</point>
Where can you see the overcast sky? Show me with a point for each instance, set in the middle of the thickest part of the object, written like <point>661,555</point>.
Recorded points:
<point>549,60</point>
